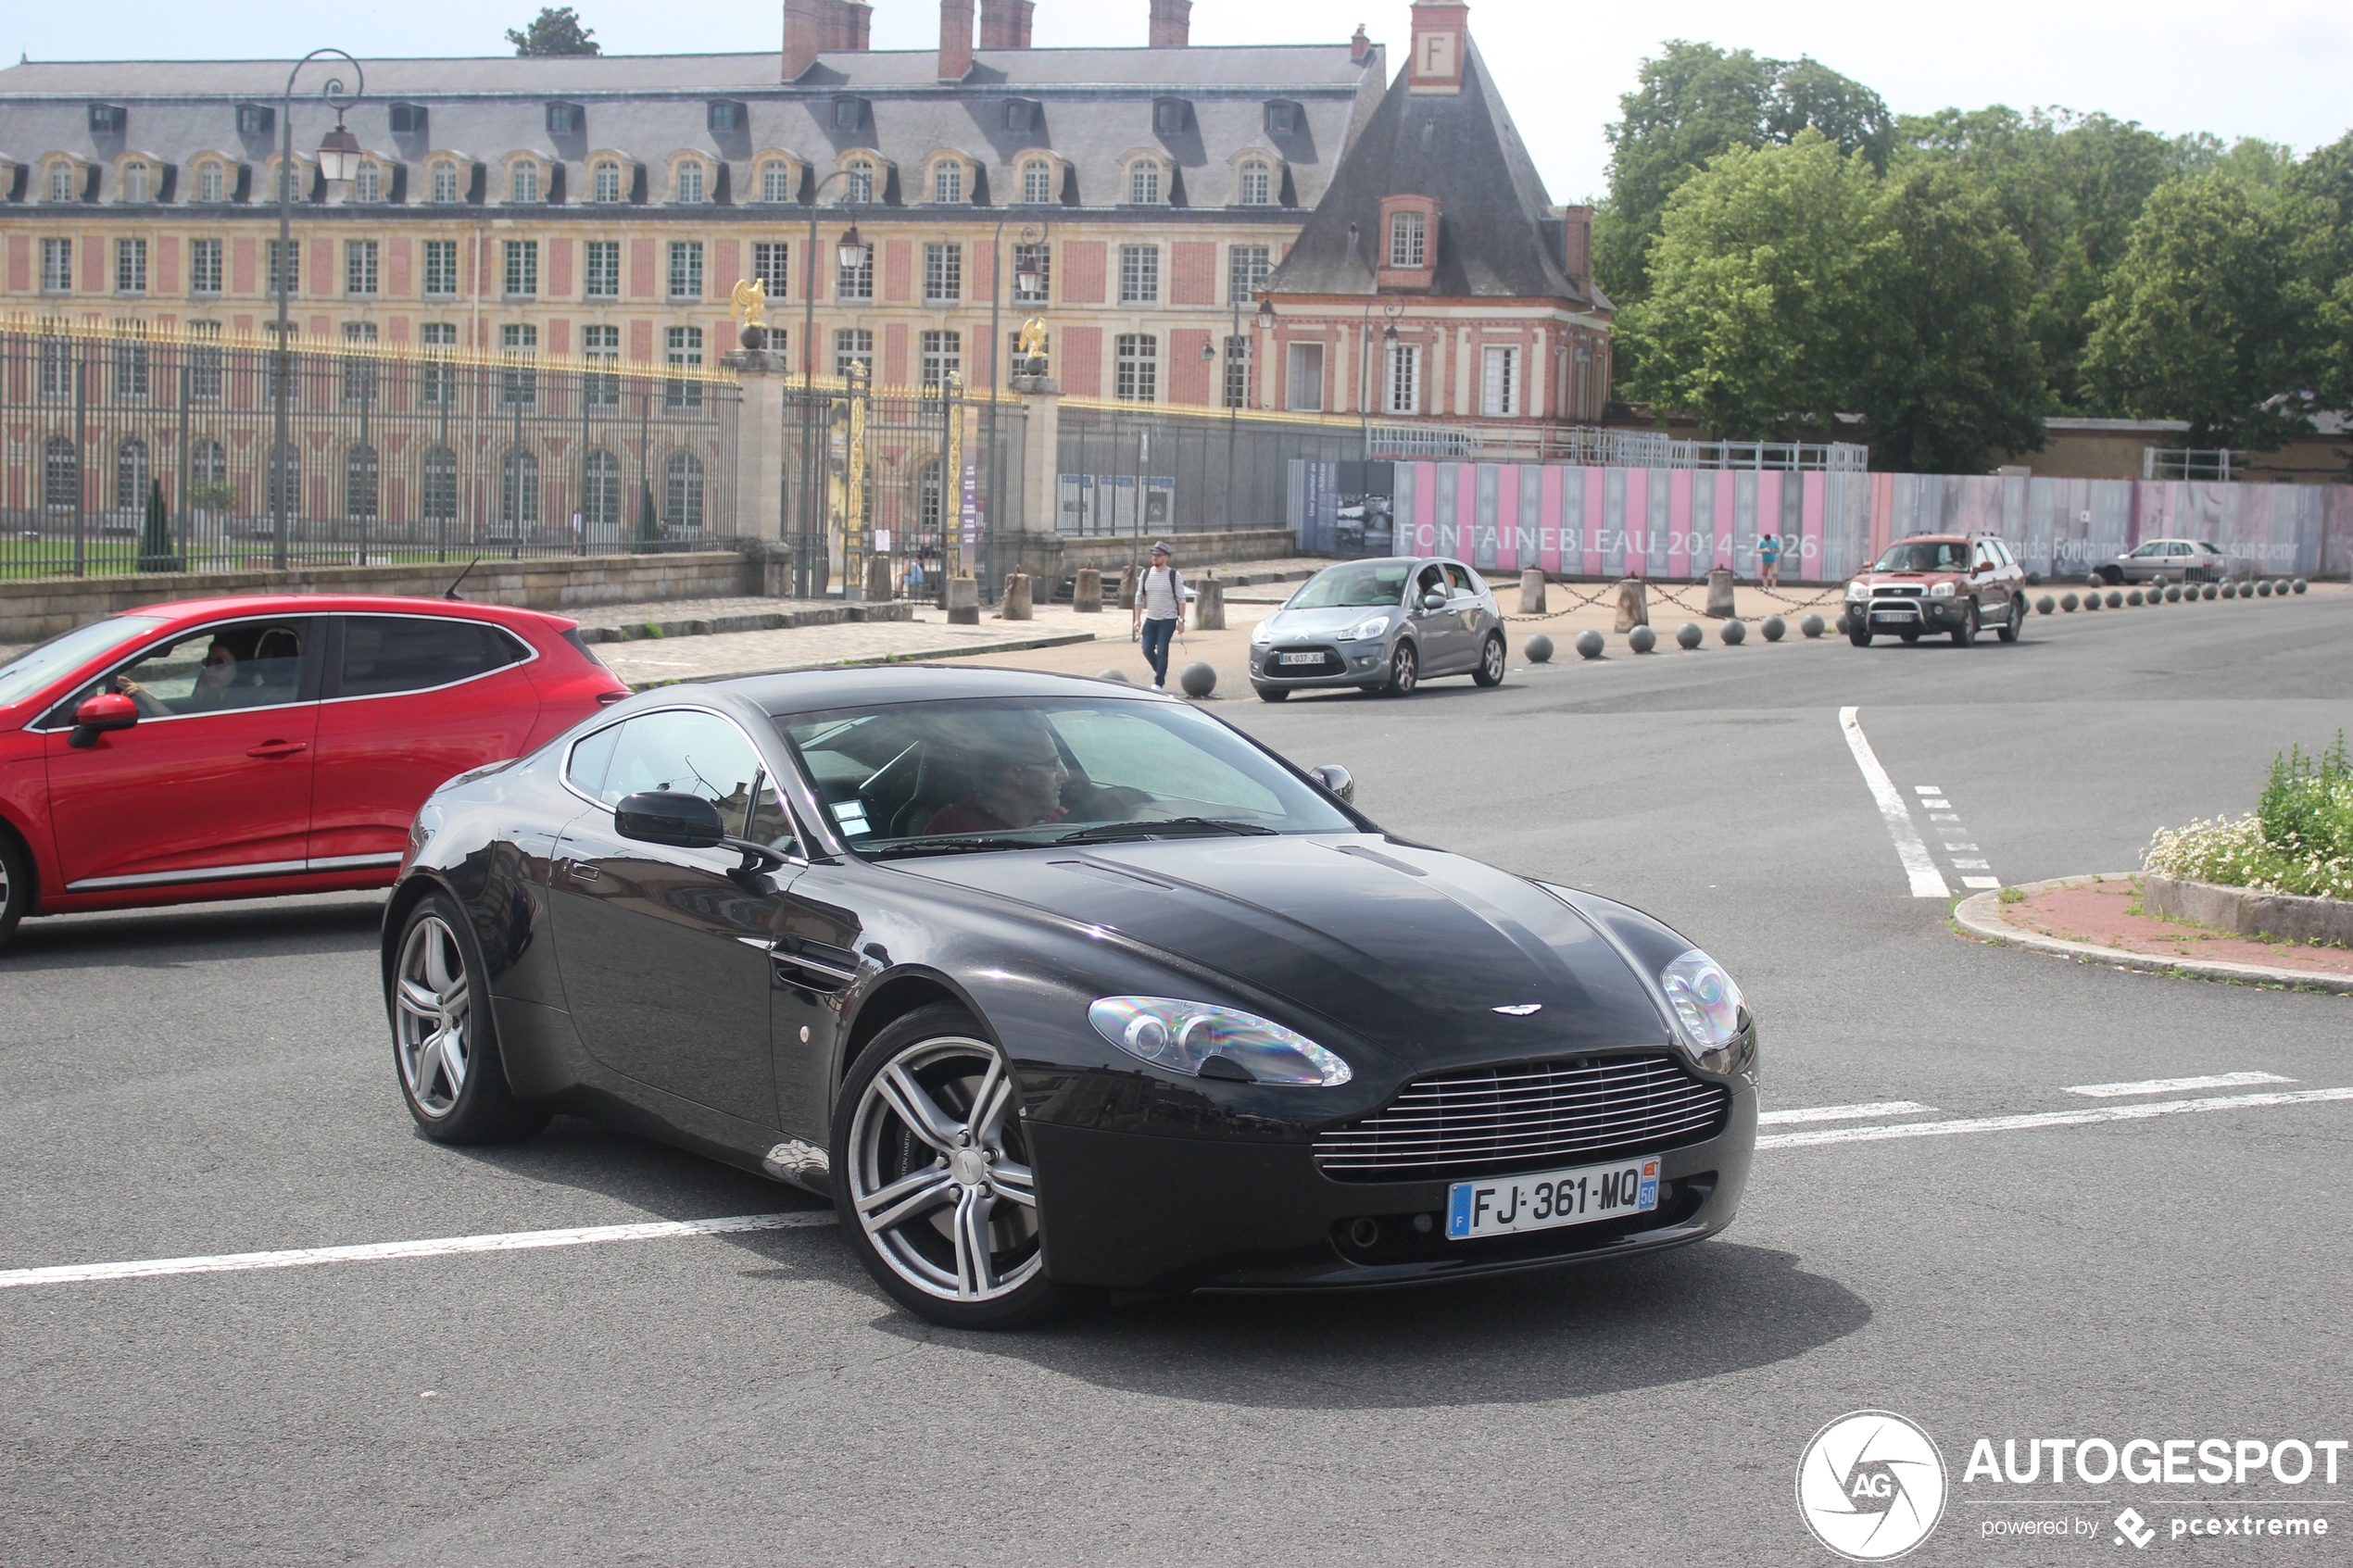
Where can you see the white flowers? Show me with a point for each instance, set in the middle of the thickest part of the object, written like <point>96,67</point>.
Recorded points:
<point>2233,853</point>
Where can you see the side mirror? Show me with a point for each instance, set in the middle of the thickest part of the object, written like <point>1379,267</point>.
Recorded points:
<point>100,715</point>
<point>1335,779</point>
<point>682,822</point>
<point>1433,601</point>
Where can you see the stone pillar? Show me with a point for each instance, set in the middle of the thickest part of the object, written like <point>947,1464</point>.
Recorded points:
<point>1127,586</point>
<point>1633,604</point>
<point>1531,591</point>
<point>1016,605</point>
<point>1041,400</point>
<point>1209,605</point>
<point>1720,604</point>
<point>760,445</point>
<point>880,589</point>
<point>963,601</point>
<point>1087,598</point>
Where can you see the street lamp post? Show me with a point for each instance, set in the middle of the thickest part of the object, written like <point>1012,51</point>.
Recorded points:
<point>339,160</point>
<point>1028,281</point>
<point>1392,310</point>
<point>850,252</point>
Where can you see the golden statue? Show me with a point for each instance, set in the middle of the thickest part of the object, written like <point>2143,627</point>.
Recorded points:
<point>748,304</point>
<point>1032,339</point>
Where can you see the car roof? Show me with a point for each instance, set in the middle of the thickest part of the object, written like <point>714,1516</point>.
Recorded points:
<point>810,691</point>
<point>183,611</point>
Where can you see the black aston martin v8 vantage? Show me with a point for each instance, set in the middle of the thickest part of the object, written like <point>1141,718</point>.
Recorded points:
<point>1054,985</point>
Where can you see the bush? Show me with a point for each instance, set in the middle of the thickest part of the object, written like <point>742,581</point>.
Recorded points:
<point>2299,839</point>
<point>2307,807</point>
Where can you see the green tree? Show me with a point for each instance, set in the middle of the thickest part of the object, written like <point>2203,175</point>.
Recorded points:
<point>1697,101</point>
<point>556,31</point>
<point>2326,179</point>
<point>2214,315</point>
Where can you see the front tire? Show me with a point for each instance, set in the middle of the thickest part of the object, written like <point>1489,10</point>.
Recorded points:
<point>1491,661</point>
<point>1404,671</point>
<point>1859,631</point>
<point>1966,632</point>
<point>932,1175</point>
<point>16,884</point>
<point>1271,694</point>
<point>444,1042</point>
<point>2015,627</point>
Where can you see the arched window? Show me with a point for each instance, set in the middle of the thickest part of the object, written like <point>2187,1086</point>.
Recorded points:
<point>437,486</point>
<point>1037,182</point>
<point>681,490</point>
<point>131,476</point>
<point>60,475</point>
<point>524,182</point>
<point>776,180</point>
<point>61,182</point>
<point>1408,240</point>
<point>212,183</point>
<point>134,181</point>
<point>359,483</point>
<point>444,181</point>
<point>519,490</point>
<point>605,182</point>
<point>284,478</point>
<point>1258,183</point>
<point>860,186</point>
<point>690,184</point>
<point>948,182</point>
<point>600,491</point>
<point>1143,183</point>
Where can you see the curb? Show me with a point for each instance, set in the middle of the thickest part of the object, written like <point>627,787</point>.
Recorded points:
<point>1980,915</point>
<point>913,655</point>
<point>764,621</point>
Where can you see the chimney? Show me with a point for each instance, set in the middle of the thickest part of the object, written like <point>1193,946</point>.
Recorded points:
<point>1172,23</point>
<point>1360,48</point>
<point>1004,24</point>
<point>1441,39</point>
<point>808,32</point>
<point>955,39</point>
<point>854,25</point>
<point>1577,247</point>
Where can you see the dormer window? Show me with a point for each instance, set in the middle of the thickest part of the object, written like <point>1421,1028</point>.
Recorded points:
<point>604,182</point>
<point>1257,184</point>
<point>565,120</point>
<point>369,184</point>
<point>134,181</point>
<point>860,186</point>
<point>1408,240</point>
<point>408,119</point>
<point>61,182</point>
<point>1037,182</point>
<point>688,187</point>
<point>212,184</point>
<point>848,113</point>
<point>1021,114</point>
<point>444,181</point>
<point>776,180</point>
<point>107,119</point>
<point>1282,119</point>
<point>1143,183</point>
<point>255,119</point>
<point>522,183</point>
<point>948,182</point>
<point>724,115</point>
<point>1170,116</point>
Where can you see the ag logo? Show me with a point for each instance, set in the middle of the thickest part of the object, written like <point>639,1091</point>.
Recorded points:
<point>1871,1485</point>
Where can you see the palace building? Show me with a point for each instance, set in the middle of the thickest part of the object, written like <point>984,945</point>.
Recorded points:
<point>1156,200</point>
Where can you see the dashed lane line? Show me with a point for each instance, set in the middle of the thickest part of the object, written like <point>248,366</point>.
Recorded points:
<point>2175,1085</point>
<point>1843,1113</point>
<point>2090,1116</point>
<point>510,1241</point>
<point>1927,882</point>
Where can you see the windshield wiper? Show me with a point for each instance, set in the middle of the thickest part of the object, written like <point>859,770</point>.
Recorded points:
<point>952,845</point>
<point>1147,829</point>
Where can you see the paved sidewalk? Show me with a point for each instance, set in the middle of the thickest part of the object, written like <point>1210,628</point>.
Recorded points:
<point>702,618</point>
<point>660,661</point>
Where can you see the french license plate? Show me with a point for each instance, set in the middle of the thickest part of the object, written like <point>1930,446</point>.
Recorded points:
<point>1299,659</point>
<point>1895,615</point>
<point>1546,1200</point>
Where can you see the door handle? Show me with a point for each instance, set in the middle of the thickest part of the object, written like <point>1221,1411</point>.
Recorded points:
<point>277,748</point>
<point>584,872</point>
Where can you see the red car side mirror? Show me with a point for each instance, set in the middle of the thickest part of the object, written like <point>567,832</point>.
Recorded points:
<point>105,712</point>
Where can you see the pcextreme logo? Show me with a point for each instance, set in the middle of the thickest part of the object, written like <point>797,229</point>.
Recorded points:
<point>1871,1485</point>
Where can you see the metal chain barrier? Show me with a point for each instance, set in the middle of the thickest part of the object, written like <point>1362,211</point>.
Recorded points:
<point>1659,592</point>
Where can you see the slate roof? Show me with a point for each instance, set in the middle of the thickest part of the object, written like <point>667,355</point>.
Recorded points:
<point>1499,236</point>
<point>1097,106</point>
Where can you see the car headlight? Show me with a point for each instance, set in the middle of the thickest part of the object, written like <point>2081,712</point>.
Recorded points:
<point>1373,627</point>
<point>1858,589</point>
<point>1183,1037</point>
<point>1940,591</point>
<point>1705,1001</point>
<point>1263,633</point>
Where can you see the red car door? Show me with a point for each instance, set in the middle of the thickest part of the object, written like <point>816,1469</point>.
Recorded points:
<point>413,700</point>
<point>214,780</point>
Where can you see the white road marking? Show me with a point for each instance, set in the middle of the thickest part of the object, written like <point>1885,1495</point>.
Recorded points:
<point>1928,789</point>
<point>2175,1085</point>
<point>1843,1113</point>
<point>1926,882</point>
<point>1961,865</point>
<point>1960,848</point>
<point>2028,1122</point>
<point>1980,882</point>
<point>510,1241</point>
<point>1937,805</point>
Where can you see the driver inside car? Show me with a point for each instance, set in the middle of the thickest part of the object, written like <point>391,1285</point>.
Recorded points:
<point>215,678</point>
<point>1018,775</point>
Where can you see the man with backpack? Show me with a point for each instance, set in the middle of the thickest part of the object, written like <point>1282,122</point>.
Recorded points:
<point>1160,611</point>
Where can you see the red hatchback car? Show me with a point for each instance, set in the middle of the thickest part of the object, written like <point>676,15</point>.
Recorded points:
<point>251,747</point>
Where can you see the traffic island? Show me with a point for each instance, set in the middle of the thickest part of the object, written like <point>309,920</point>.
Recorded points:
<point>2106,919</point>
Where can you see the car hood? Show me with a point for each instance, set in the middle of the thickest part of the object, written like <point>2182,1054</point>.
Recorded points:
<point>1328,621</point>
<point>1409,950</point>
<point>1876,578</point>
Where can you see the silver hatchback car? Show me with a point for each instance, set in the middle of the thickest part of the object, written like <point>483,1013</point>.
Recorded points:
<point>1384,625</point>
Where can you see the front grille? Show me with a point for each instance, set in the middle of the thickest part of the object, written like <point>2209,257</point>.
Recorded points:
<point>1525,1117</point>
<point>1899,590</point>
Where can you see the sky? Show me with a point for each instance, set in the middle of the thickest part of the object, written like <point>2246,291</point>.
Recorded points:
<point>2278,69</point>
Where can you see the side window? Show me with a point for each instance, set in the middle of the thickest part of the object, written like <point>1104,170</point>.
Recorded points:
<point>1460,580</point>
<point>243,664</point>
<point>1430,580</point>
<point>1982,558</point>
<point>585,770</point>
<point>384,654</point>
<point>686,753</point>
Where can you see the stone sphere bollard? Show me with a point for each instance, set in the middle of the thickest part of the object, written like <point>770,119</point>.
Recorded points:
<point>1199,679</point>
<point>2034,579</point>
<point>1689,635</point>
<point>2230,590</point>
<point>2133,598</point>
<point>2173,596</point>
<point>2046,605</point>
<point>2299,584</point>
<point>1641,639</point>
<point>1539,648</point>
<point>1811,626</point>
<point>1591,644</point>
<point>1119,675</point>
<point>1842,623</point>
<point>2209,591</point>
<point>2115,599</point>
<point>2279,588</point>
<point>1734,631</point>
<point>2091,601</point>
<point>1774,628</point>
<point>2068,603</point>
<point>2262,590</point>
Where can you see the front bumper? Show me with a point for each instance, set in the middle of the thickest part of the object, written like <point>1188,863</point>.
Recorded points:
<point>1150,1212</point>
<point>1900,614</point>
<point>1344,664</point>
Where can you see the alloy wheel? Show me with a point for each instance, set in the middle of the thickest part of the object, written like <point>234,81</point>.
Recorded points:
<point>433,1034</point>
<point>1404,670</point>
<point>1491,661</point>
<point>938,1175</point>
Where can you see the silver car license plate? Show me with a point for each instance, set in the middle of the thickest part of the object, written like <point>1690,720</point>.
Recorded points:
<point>1299,659</point>
<point>1546,1200</point>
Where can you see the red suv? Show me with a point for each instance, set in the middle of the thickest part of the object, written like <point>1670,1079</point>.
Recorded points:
<point>1932,583</point>
<point>250,747</point>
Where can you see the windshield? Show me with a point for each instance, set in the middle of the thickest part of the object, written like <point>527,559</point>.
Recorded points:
<point>1015,773</point>
<point>1359,584</point>
<point>36,668</point>
<point>1926,555</point>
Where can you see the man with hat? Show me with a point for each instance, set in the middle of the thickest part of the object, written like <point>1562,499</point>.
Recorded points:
<point>1160,611</point>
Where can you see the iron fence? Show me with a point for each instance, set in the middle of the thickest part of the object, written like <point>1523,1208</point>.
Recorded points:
<point>392,455</point>
<point>1138,469</point>
<point>1594,447</point>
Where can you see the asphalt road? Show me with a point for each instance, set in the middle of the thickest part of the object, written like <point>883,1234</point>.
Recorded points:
<point>216,1080</point>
